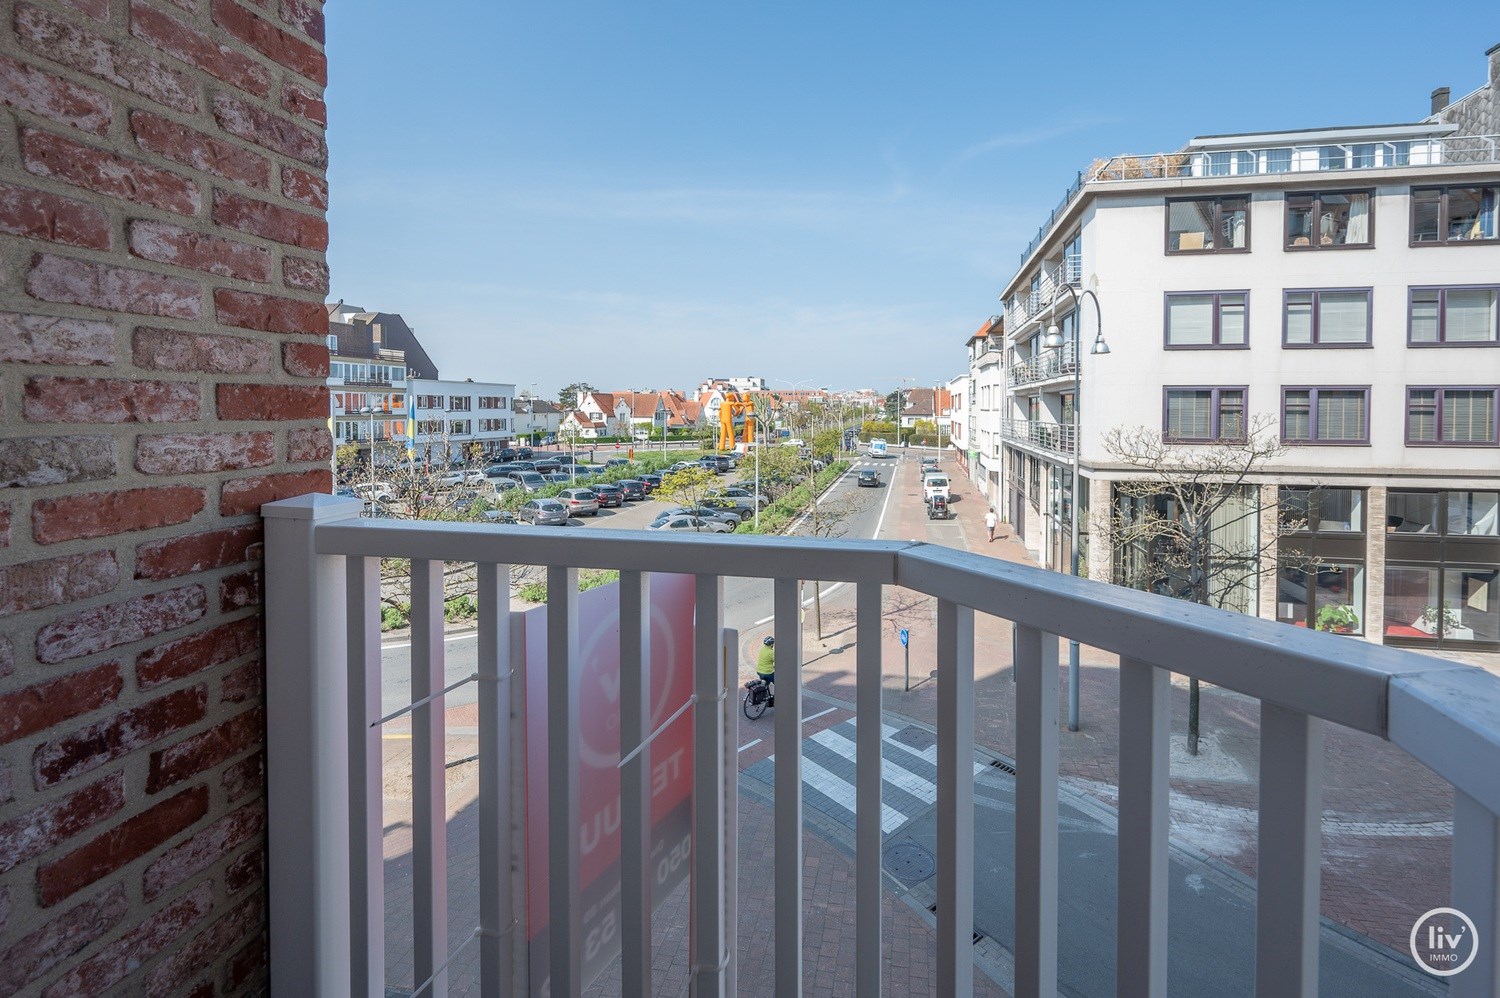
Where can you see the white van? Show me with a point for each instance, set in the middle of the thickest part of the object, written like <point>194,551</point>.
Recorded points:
<point>877,448</point>
<point>935,483</point>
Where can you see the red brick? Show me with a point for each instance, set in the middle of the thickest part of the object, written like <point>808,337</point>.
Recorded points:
<point>305,360</point>
<point>305,275</point>
<point>248,495</point>
<point>116,960</point>
<point>66,876</point>
<point>182,144</point>
<point>176,350</point>
<point>29,461</point>
<point>35,708</point>
<point>38,830</point>
<point>194,47</point>
<point>249,869</point>
<point>118,289</point>
<point>181,247</point>
<point>197,652</point>
<point>88,748</point>
<point>206,750</point>
<point>51,339</point>
<point>269,130</point>
<point>53,38</point>
<point>204,849</point>
<point>95,630</point>
<point>302,101</point>
<point>196,552</point>
<point>54,581</point>
<point>100,514</point>
<point>172,974</point>
<point>269,221</point>
<point>195,453</point>
<point>277,45</point>
<point>61,158</point>
<point>97,9</point>
<point>271,314</point>
<point>109,400</point>
<point>60,938</point>
<point>244,777</point>
<point>240,590</point>
<point>247,964</point>
<point>30,89</point>
<point>305,17</point>
<point>313,443</point>
<point>243,683</point>
<point>280,402</point>
<point>58,219</point>
<point>309,188</point>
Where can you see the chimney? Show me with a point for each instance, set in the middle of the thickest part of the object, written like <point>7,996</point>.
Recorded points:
<point>1439,99</point>
<point>1494,57</point>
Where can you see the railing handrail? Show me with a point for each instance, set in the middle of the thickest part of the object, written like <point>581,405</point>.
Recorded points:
<point>1322,675</point>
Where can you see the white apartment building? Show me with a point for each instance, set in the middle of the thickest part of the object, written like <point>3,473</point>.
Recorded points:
<point>985,408</point>
<point>1341,283</point>
<point>460,418</point>
<point>957,426</point>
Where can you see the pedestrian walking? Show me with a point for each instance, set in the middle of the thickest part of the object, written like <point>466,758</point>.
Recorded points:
<point>991,521</point>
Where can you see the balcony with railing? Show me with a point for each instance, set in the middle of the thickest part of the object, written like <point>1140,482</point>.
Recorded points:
<point>324,698</point>
<point>1056,438</point>
<point>1047,366</point>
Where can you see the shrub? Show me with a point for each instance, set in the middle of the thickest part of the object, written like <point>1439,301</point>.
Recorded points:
<point>394,618</point>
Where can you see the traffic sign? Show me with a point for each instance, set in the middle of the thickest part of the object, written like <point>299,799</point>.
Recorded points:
<point>905,636</point>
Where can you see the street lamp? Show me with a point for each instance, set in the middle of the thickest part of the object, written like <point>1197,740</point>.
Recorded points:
<point>1054,341</point>
<point>370,411</point>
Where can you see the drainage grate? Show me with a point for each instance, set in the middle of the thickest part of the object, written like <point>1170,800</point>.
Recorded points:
<point>1002,764</point>
<point>909,863</point>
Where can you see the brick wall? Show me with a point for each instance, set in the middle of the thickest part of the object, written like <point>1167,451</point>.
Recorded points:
<point>162,237</point>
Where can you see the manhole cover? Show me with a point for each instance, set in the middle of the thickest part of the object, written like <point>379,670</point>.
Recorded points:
<point>909,863</point>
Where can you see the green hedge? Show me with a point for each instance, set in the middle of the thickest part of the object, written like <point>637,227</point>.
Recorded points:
<point>779,515</point>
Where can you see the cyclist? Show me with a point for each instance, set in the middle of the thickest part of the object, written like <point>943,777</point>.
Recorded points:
<point>765,662</point>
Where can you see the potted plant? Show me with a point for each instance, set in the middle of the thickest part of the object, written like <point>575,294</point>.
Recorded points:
<point>1428,621</point>
<point>1339,618</point>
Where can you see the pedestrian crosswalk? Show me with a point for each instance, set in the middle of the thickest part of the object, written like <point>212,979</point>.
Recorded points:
<point>908,773</point>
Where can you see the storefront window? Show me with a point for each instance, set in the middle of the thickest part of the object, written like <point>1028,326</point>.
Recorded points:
<point>1474,514</point>
<point>1329,597</point>
<point>1323,511</point>
<point>1442,549</point>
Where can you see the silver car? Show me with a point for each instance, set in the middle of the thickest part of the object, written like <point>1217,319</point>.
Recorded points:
<point>683,521</point>
<point>545,512</point>
<point>580,502</point>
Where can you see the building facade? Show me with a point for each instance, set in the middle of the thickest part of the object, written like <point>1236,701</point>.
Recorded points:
<point>460,419</point>
<point>1341,286</point>
<point>986,405</point>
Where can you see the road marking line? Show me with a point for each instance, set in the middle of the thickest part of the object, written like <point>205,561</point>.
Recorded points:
<point>805,603</point>
<point>454,637</point>
<point>819,714</point>
<point>750,744</point>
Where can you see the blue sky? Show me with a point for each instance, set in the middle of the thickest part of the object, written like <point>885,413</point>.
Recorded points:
<point>644,194</point>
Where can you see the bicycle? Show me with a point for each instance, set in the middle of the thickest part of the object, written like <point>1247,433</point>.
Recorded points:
<point>758,697</point>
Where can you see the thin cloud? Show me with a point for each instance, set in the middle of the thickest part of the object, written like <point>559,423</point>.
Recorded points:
<point>1028,137</point>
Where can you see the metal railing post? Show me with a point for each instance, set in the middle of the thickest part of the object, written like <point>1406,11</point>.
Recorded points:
<point>307,762</point>
<point>868,789</point>
<point>1476,893</point>
<point>1036,812</point>
<point>707,941</point>
<point>1141,892</point>
<point>1289,846</point>
<point>788,777</point>
<point>955,799</point>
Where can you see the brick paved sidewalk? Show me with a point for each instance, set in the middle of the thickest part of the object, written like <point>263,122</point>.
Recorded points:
<point>1387,819</point>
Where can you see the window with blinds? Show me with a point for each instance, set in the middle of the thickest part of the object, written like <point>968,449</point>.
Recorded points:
<point>1336,318</point>
<point>1199,320</point>
<point>1208,225</point>
<point>1203,415</point>
<point>1461,316</point>
<point>1325,415</point>
<point>1462,416</point>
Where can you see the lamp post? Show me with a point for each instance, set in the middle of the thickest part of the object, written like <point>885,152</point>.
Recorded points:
<point>370,411</point>
<point>1054,340</point>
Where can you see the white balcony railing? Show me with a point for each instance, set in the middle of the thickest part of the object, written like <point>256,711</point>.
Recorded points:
<point>1055,437</point>
<point>1049,365</point>
<point>323,698</point>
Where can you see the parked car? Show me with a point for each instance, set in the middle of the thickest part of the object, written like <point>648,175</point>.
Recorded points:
<point>935,484</point>
<point>498,516</point>
<point>610,494</point>
<point>650,482</point>
<point>524,465</point>
<point>530,480</point>
<point>938,508</point>
<point>501,470</point>
<point>546,467</point>
<point>545,512</point>
<point>580,502</point>
<point>375,491</point>
<point>503,485</point>
<point>869,478</point>
<point>556,477</point>
<point>684,522</point>
<point>738,497</point>
<point>524,453</point>
<point>729,516</point>
<point>632,489</point>
<point>506,454</point>
<point>617,462</point>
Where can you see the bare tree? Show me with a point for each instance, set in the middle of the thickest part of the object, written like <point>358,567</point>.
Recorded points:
<point>827,515</point>
<point>1193,524</point>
